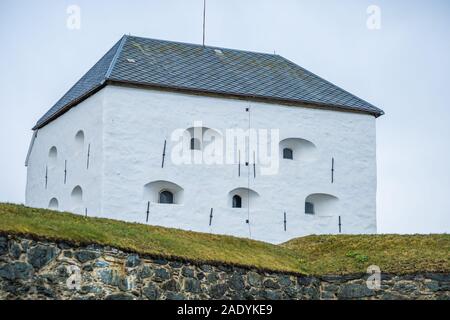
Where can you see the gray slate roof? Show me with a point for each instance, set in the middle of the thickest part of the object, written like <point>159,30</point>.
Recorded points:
<point>182,66</point>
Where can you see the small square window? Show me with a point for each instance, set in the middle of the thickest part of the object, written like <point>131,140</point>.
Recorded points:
<point>195,144</point>
<point>309,208</point>
<point>288,154</point>
<point>237,201</point>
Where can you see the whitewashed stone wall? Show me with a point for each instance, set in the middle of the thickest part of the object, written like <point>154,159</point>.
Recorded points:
<point>127,128</point>
<point>87,116</point>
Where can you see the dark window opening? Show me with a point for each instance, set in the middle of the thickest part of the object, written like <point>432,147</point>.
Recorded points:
<point>309,208</point>
<point>237,201</point>
<point>288,154</point>
<point>195,144</point>
<point>166,197</point>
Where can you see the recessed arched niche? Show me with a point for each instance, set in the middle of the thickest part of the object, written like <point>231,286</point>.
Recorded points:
<point>242,198</point>
<point>77,196</point>
<point>53,155</point>
<point>298,149</point>
<point>53,204</point>
<point>164,192</point>
<point>321,204</point>
<point>200,138</point>
<point>79,141</point>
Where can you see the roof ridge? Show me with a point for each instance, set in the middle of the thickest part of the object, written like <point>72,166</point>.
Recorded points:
<point>204,46</point>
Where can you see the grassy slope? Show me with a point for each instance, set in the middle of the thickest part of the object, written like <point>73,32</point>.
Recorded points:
<point>392,253</point>
<point>145,239</point>
<point>312,254</point>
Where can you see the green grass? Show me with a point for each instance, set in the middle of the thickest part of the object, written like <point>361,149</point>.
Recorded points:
<point>400,254</point>
<point>312,255</point>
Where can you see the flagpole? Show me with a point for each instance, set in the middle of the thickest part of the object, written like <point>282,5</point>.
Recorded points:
<point>204,18</point>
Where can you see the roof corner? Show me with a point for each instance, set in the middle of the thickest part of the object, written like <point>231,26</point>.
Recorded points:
<point>116,55</point>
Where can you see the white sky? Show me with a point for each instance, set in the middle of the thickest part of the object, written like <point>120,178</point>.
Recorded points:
<point>404,68</point>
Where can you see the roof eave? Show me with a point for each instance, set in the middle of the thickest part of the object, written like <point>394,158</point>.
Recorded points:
<point>70,105</point>
<point>377,113</point>
<point>204,92</point>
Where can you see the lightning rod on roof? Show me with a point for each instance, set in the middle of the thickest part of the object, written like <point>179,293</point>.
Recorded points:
<point>204,18</point>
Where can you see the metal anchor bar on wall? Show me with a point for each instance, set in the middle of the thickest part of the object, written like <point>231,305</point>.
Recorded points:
<point>148,211</point>
<point>88,156</point>
<point>46,176</point>
<point>332,170</point>
<point>211,217</point>
<point>164,154</point>
<point>65,171</point>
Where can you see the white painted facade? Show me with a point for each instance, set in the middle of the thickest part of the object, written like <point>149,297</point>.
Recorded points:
<point>126,129</point>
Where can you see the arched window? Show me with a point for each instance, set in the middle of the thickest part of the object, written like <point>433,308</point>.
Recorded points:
<point>195,144</point>
<point>166,197</point>
<point>288,154</point>
<point>242,198</point>
<point>298,149</point>
<point>309,208</point>
<point>237,201</point>
<point>53,204</point>
<point>162,191</point>
<point>321,205</point>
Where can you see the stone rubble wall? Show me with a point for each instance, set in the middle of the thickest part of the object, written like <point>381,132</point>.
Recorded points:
<point>31,269</point>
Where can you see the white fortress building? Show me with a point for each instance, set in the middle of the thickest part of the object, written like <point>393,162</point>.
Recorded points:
<point>208,139</point>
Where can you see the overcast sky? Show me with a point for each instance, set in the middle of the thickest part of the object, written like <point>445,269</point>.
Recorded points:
<point>403,68</point>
